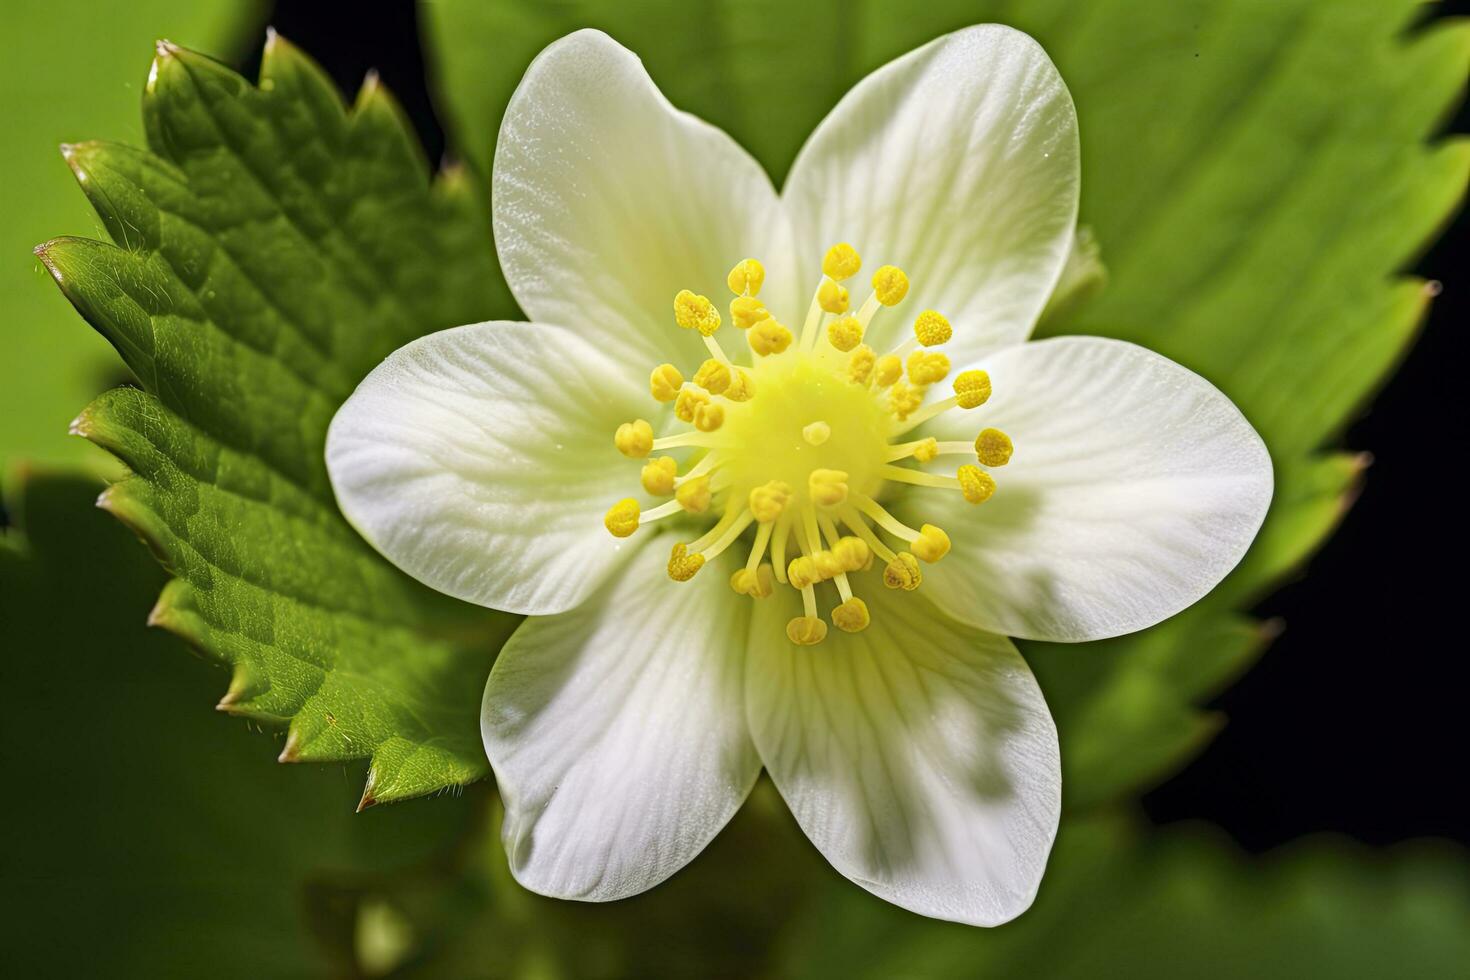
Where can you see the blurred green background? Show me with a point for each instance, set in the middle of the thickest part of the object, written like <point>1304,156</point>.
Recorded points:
<point>1227,146</point>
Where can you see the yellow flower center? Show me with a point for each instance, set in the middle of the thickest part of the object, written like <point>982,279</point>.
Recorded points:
<point>802,442</point>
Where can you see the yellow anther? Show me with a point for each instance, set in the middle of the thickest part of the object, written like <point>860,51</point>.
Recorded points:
<point>768,501</point>
<point>932,544</point>
<point>846,333</point>
<point>852,554</point>
<point>802,572</point>
<point>994,447</point>
<point>806,631</point>
<point>887,370</point>
<point>976,484</point>
<point>634,439</point>
<point>768,337</point>
<point>747,311</point>
<point>828,488</point>
<point>747,277</point>
<point>742,388</point>
<point>713,376</point>
<point>926,367</point>
<point>903,572</point>
<point>971,389</point>
<point>658,475</point>
<point>905,399</point>
<point>622,518</point>
<point>708,418</point>
<point>891,285</point>
<point>683,565</point>
<point>664,383</point>
<point>757,584</point>
<point>851,616</point>
<point>828,565</point>
<point>695,312</point>
<point>816,433</point>
<point>841,262</point>
<point>688,403</point>
<point>693,495</point>
<point>926,450</point>
<point>932,328</point>
<point>832,297</point>
<point>860,367</point>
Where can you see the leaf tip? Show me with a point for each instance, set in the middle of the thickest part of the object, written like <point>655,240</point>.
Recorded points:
<point>366,801</point>
<point>291,751</point>
<point>164,48</point>
<point>80,426</point>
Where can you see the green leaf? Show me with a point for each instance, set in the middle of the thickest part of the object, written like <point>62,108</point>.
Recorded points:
<point>1255,173</point>
<point>72,67</point>
<point>1182,902</point>
<point>148,836</point>
<point>272,246</point>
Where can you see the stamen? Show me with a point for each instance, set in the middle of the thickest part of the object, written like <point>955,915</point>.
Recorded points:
<point>832,297</point>
<point>708,418</point>
<point>890,285</point>
<point>758,550</point>
<point>634,439</point>
<point>932,543</point>
<point>923,450</point>
<point>621,519</point>
<point>716,351</point>
<point>713,376</point>
<point>747,311</point>
<point>659,475</point>
<point>742,388</point>
<point>920,478</point>
<point>736,528</point>
<point>860,365</point>
<point>902,572</point>
<point>852,616</point>
<point>975,483</point>
<point>932,329</point>
<point>747,277</point>
<point>733,510</point>
<point>994,447</point>
<point>904,399</point>
<point>845,334</point>
<point>808,630</point>
<point>827,488</point>
<point>841,262</point>
<point>666,509</point>
<point>768,501</point>
<point>694,495</point>
<point>813,319</point>
<point>971,389</point>
<point>927,367</point>
<point>855,521</point>
<point>708,464</point>
<point>686,439</point>
<point>682,564</point>
<point>688,403</point>
<point>664,383</point>
<point>695,312</point>
<point>778,547</point>
<point>887,370</point>
<point>883,519</point>
<point>755,582</point>
<point>768,337</point>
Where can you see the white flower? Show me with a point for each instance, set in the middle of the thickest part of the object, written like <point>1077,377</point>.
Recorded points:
<point>627,720</point>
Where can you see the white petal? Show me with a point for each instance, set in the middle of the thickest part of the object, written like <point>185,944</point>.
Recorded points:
<point>958,163</point>
<point>617,731</point>
<point>608,201</point>
<point>918,755</point>
<point>1135,487</point>
<point>480,460</point>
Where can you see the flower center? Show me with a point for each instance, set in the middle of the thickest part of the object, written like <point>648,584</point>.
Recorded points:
<point>801,443</point>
